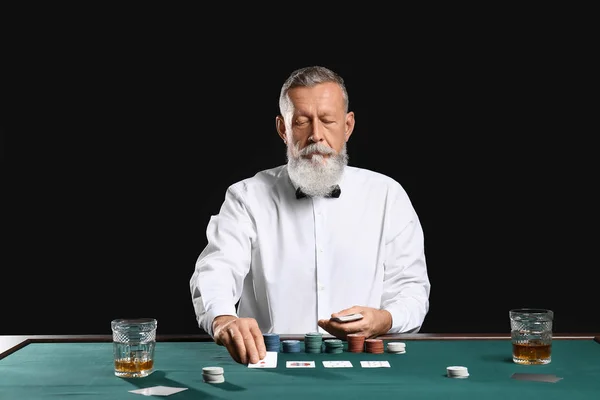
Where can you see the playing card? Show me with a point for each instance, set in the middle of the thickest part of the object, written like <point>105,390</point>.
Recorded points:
<point>158,391</point>
<point>375,364</point>
<point>300,364</point>
<point>270,361</point>
<point>337,364</point>
<point>348,318</point>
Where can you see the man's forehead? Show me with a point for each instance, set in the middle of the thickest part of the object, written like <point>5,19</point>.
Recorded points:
<point>320,97</point>
<point>324,90</point>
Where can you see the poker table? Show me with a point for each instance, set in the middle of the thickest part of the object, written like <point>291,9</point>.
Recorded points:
<point>76,367</point>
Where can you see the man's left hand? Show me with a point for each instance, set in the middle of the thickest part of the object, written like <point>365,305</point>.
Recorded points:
<point>374,323</point>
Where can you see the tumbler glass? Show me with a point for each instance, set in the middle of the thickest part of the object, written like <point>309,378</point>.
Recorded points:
<point>134,341</point>
<point>531,334</point>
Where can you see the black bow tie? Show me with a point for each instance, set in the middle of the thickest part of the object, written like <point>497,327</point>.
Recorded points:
<point>335,192</point>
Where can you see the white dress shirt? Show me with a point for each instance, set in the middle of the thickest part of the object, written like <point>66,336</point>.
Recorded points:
<point>290,262</point>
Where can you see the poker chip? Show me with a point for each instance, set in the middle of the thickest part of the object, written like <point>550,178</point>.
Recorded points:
<point>456,371</point>
<point>374,346</point>
<point>396,347</point>
<point>356,342</point>
<point>213,375</point>
<point>272,342</point>
<point>290,346</point>
<point>313,342</point>
<point>334,346</point>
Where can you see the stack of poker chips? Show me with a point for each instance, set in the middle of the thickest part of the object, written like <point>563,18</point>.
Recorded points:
<point>290,346</point>
<point>396,347</point>
<point>457,372</point>
<point>334,346</point>
<point>271,341</point>
<point>213,375</point>
<point>313,341</point>
<point>374,346</point>
<point>356,342</point>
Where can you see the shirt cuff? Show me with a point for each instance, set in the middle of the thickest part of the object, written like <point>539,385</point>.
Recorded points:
<point>401,319</point>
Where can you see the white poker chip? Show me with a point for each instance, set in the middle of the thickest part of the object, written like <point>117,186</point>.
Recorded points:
<point>396,347</point>
<point>397,344</point>
<point>213,375</point>
<point>457,371</point>
<point>220,379</point>
<point>397,352</point>
<point>213,370</point>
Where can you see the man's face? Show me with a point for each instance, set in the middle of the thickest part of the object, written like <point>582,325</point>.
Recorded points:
<point>318,115</point>
<point>316,131</point>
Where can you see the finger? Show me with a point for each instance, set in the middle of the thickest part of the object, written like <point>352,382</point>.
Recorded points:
<point>259,341</point>
<point>332,328</point>
<point>226,338</point>
<point>329,326</point>
<point>251,349</point>
<point>237,346</point>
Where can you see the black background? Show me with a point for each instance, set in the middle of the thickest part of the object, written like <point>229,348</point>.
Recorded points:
<point>128,130</point>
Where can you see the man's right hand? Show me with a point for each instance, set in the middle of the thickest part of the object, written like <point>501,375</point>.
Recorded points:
<point>242,338</point>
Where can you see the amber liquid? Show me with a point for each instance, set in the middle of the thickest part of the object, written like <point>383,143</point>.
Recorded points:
<point>133,367</point>
<point>134,360</point>
<point>534,352</point>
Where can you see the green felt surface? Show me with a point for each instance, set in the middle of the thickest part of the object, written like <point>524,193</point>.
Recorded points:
<point>75,371</point>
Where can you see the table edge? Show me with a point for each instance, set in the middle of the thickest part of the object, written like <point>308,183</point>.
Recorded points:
<point>11,343</point>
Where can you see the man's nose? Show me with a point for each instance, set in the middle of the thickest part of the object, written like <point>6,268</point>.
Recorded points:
<point>316,136</point>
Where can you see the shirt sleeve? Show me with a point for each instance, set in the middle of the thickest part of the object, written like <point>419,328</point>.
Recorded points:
<point>216,284</point>
<point>406,283</point>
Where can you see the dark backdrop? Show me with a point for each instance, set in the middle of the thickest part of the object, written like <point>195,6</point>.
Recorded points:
<point>130,137</point>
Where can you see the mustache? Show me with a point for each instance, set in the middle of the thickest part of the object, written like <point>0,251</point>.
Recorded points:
<point>316,148</point>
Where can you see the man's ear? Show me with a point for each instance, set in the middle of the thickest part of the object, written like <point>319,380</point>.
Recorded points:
<point>349,124</point>
<point>280,126</point>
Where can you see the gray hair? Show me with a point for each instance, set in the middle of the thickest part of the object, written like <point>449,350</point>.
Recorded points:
<point>309,77</point>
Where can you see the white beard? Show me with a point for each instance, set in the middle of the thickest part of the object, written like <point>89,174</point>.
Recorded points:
<point>316,175</point>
